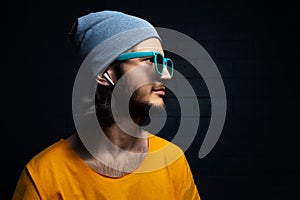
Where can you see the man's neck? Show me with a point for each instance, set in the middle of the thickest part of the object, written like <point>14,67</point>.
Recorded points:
<point>118,152</point>
<point>133,140</point>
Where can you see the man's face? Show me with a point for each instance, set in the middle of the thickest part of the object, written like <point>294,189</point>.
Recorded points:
<point>149,94</point>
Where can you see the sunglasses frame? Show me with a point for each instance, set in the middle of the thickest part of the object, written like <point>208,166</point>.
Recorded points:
<point>141,54</point>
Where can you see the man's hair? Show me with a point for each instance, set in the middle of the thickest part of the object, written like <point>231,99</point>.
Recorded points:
<point>103,100</point>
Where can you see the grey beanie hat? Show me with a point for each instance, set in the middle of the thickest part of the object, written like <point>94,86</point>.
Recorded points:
<point>102,36</point>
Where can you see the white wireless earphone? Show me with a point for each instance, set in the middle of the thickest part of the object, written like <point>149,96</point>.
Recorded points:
<point>108,78</point>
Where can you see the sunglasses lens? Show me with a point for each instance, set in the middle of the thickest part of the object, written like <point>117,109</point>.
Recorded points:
<point>159,63</point>
<point>169,64</point>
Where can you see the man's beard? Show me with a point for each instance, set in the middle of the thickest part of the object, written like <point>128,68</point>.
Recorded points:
<point>139,111</point>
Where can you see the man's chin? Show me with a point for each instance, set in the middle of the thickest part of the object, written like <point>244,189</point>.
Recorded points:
<point>141,109</point>
<point>157,102</point>
<point>157,105</point>
<point>154,109</point>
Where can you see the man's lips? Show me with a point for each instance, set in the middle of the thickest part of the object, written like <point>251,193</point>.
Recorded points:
<point>160,91</point>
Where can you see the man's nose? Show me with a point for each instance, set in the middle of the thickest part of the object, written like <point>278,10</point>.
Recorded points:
<point>165,75</point>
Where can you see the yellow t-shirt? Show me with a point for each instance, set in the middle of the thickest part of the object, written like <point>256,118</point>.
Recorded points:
<point>59,173</point>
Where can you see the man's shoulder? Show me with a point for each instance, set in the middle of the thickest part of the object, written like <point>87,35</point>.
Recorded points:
<point>52,155</point>
<point>162,155</point>
<point>159,143</point>
<point>158,139</point>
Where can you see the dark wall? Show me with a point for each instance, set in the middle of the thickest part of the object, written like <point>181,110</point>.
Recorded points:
<point>254,45</point>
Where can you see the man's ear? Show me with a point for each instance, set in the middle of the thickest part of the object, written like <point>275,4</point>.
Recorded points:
<point>105,78</point>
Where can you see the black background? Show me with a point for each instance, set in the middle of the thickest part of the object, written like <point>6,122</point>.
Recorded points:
<point>254,44</point>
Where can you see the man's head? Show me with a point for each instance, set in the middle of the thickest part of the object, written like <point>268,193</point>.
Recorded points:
<point>105,37</point>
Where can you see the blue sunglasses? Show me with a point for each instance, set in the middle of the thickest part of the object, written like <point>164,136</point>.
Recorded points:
<point>160,62</point>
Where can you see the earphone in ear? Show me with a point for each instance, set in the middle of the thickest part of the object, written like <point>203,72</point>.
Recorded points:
<point>106,76</point>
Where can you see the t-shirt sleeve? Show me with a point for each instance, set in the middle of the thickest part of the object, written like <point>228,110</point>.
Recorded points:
<point>25,188</point>
<point>186,188</point>
<point>190,190</point>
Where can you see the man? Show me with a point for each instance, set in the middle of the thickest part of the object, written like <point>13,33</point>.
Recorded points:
<point>129,163</point>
